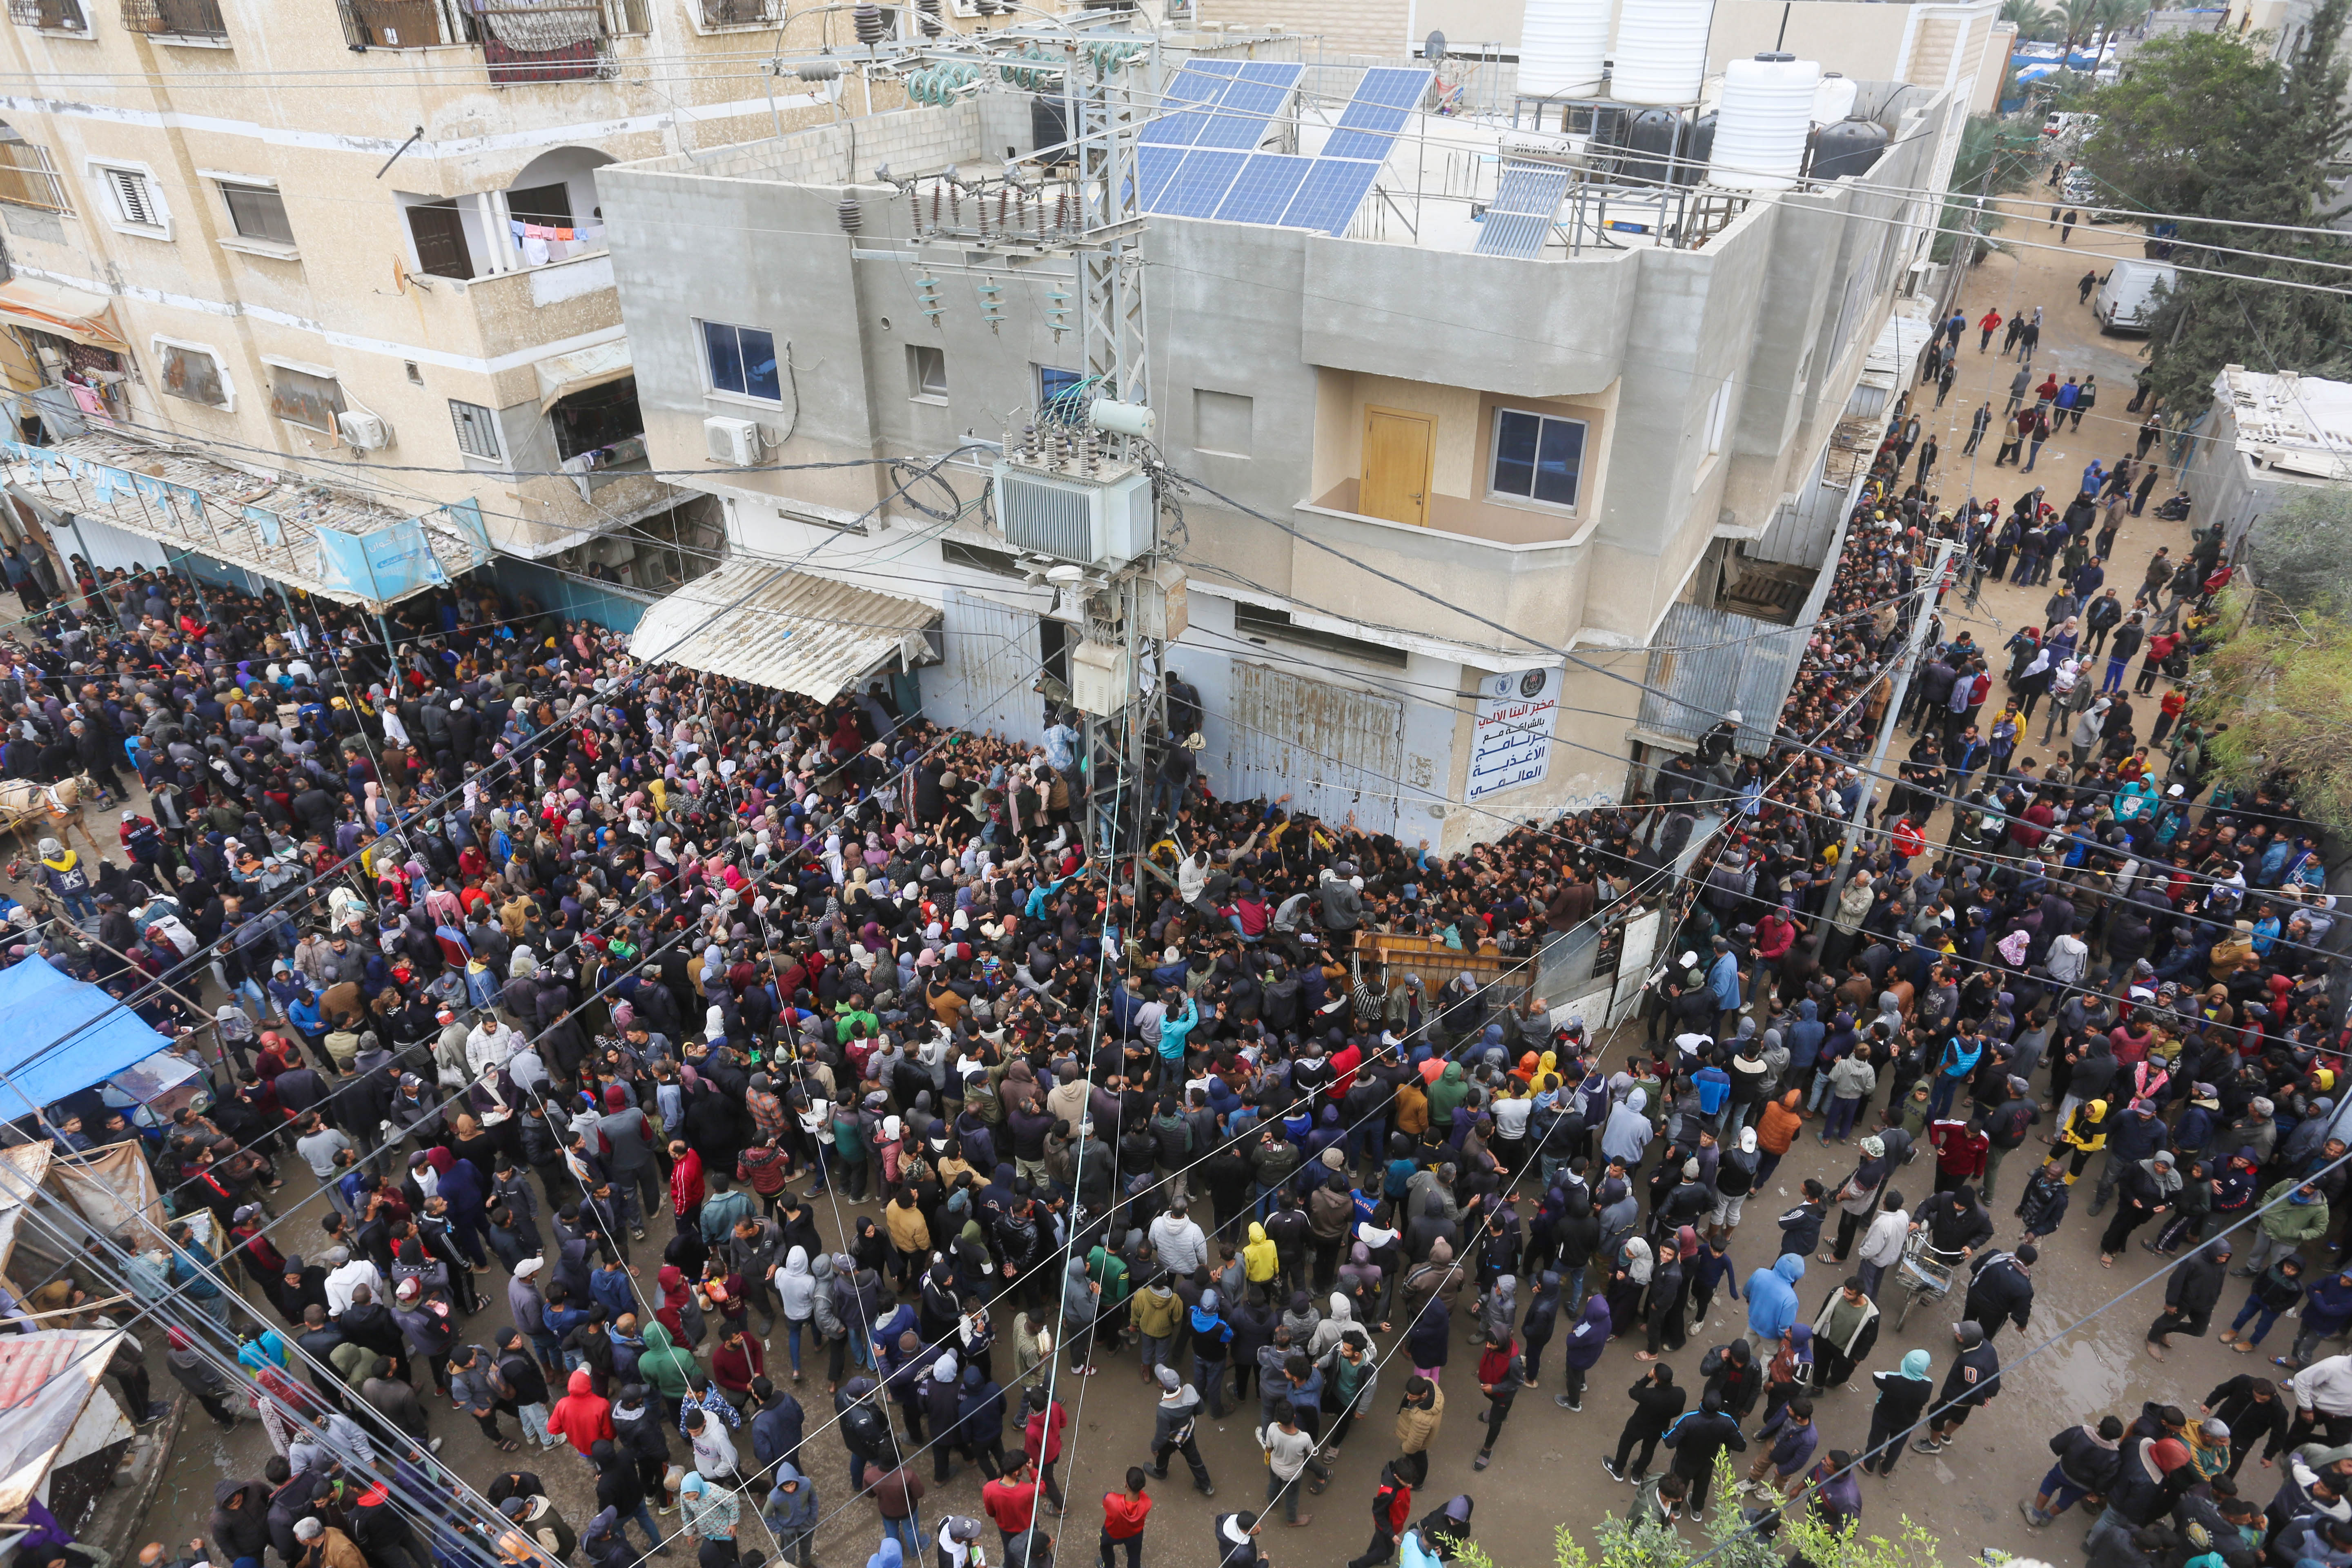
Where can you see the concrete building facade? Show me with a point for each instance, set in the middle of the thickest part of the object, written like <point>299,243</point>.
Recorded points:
<point>1369,567</point>
<point>362,240</point>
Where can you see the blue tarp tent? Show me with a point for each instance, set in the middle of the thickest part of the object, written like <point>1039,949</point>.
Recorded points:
<point>59,1035</point>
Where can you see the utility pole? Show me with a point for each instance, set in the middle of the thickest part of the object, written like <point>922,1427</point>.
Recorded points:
<point>1921,616</point>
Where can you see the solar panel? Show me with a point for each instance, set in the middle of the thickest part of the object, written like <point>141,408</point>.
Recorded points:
<point>1178,127</point>
<point>1358,144</point>
<point>1330,193</point>
<point>1397,86</point>
<point>1155,168</point>
<point>1262,190</point>
<point>1255,98</point>
<point>1215,68</point>
<point>1518,220</point>
<point>1200,184</point>
<point>1245,116</point>
<point>1377,112</point>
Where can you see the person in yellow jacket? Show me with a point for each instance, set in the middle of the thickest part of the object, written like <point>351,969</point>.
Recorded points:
<point>1261,1261</point>
<point>1157,1311</point>
<point>2085,1132</point>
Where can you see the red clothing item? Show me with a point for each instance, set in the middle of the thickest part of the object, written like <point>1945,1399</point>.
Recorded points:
<point>1495,1365</point>
<point>734,1367</point>
<point>1038,1440</point>
<point>686,1182</point>
<point>582,1418</point>
<point>1958,1152</point>
<point>1012,1504</point>
<point>1774,936</point>
<point>1345,1061</point>
<point>1123,1515</point>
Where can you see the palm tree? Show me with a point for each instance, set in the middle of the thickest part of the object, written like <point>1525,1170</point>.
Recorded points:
<point>2081,20</point>
<point>2031,16</point>
<point>2113,16</point>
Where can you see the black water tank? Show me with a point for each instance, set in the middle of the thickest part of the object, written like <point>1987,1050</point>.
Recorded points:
<point>1849,147</point>
<point>1698,150</point>
<point>1049,126</point>
<point>1651,138</point>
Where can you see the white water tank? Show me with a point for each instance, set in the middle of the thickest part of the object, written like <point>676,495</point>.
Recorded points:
<point>1762,121</point>
<point>1563,48</point>
<point>1661,55</point>
<point>1833,97</point>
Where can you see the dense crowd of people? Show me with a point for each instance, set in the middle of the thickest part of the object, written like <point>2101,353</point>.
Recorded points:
<point>637,985</point>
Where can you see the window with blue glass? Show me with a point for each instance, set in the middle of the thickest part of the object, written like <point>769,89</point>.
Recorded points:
<point>742,360</point>
<point>1538,457</point>
<point>1056,389</point>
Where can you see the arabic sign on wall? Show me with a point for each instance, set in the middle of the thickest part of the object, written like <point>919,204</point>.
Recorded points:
<point>1511,734</point>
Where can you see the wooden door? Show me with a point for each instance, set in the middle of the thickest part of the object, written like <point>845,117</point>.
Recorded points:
<point>1396,466</point>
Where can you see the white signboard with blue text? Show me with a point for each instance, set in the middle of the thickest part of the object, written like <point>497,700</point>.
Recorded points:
<point>1511,732</point>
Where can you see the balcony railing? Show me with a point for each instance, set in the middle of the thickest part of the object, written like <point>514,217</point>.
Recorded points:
<point>570,40</point>
<point>176,18</point>
<point>51,16</point>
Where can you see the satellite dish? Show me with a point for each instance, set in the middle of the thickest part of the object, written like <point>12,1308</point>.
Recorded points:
<point>1435,49</point>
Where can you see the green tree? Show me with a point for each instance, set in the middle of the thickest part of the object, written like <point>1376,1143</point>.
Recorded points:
<point>2207,129</point>
<point>2301,554</point>
<point>2283,682</point>
<point>1732,1542</point>
<point>2034,20</point>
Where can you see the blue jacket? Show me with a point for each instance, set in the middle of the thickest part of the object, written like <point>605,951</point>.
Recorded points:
<point>1805,1036</point>
<point>1772,1303</point>
<point>1723,980</point>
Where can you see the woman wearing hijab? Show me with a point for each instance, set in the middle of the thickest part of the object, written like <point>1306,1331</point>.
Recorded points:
<point>1903,1397</point>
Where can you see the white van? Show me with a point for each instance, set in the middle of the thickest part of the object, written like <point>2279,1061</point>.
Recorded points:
<point>2126,298</point>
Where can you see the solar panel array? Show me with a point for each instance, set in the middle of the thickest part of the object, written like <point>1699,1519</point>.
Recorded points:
<point>1519,221</point>
<point>1198,157</point>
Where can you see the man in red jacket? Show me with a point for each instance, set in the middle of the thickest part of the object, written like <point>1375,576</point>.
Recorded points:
<point>1391,1508</point>
<point>1776,933</point>
<point>1960,1152</point>
<point>1123,1516</point>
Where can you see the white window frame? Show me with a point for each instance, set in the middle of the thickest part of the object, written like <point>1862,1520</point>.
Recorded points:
<point>305,367</point>
<point>489,420</point>
<point>105,172</point>
<point>230,239</point>
<point>1494,452</point>
<point>158,343</point>
<point>710,387</point>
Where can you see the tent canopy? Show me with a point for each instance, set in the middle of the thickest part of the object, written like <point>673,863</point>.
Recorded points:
<point>754,621</point>
<point>59,1035</point>
<point>75,314</point>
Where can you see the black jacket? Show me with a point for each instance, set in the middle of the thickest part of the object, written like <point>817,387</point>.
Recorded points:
<point>1699,1439</point>
<point>2085,1460</point>
<point>2195,1287</point>
<point>2001,1289</point>
<point>1654,1408</point>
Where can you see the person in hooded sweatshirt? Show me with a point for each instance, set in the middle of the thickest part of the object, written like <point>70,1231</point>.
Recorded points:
<point>1542,1322</point>
<point>1772,1304</point>
<point>1585,1343</point>
<point>579,1417</point>
<point>790,1511</point>
<point>1628,1131</point>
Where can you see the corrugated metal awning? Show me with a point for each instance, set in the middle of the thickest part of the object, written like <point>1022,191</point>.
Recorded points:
<point>75,314</point>
<point>560,376</point>
<point>1709,663</point>
<point>756,621</point>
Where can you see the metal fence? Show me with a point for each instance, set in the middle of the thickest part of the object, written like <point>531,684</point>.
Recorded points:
<point>177,19</point>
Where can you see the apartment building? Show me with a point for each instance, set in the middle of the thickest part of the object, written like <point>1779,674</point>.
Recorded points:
<point>1426,430</point>
<point>362,241</point>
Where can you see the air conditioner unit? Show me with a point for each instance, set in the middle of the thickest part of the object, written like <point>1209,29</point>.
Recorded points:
<point>1095,523</point>
<point>364,432</point>
<point>735,441</point>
